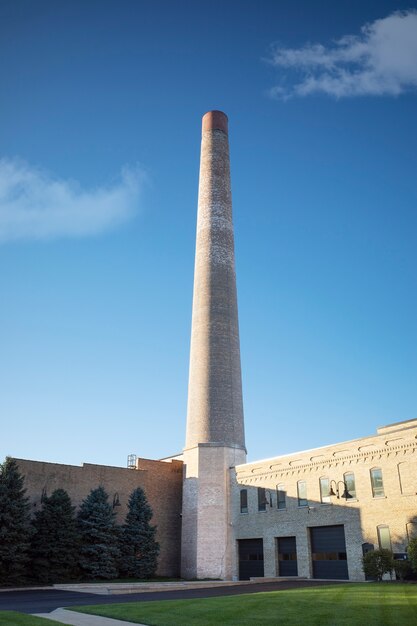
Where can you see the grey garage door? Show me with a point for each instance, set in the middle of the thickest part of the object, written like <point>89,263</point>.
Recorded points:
<point>328,552</point>
<point>251,558</point>
<point>287,556</point>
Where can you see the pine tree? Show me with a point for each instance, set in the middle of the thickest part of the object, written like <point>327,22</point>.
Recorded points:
<point>55,541</point>
<point>139,550</point>
<point>14,524</point>
<point>99,551</point>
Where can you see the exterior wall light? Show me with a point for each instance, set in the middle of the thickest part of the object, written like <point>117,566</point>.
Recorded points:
<point>336,491</point>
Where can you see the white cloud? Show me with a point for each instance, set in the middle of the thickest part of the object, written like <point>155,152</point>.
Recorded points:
<point>382,60</point>
<point>35,205</point>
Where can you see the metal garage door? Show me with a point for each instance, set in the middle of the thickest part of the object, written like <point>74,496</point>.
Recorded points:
<point>328,552</point>
<point>251,558</point>
<point>287,557</point>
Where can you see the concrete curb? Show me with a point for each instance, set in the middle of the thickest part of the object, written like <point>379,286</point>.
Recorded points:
<point>43,588</point>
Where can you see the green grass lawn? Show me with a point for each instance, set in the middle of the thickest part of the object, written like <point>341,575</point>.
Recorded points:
<point>11,618</point>
<point>368,604</point>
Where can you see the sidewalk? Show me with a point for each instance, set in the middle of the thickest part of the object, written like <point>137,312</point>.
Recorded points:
<point>81,619</point>
<point>122,588</point>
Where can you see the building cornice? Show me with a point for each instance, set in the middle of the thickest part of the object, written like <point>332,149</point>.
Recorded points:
<point>296,466</point>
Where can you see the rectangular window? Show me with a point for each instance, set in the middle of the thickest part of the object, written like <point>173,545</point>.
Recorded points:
<point>302,493</point>
<point>281,497</point>
<point>384,538</point>
<point>261,499</point>
<point>349,478</point>
<point>325,490</point>
<point>407,472</point>
<point>377,483</point>
<point>243,500</point>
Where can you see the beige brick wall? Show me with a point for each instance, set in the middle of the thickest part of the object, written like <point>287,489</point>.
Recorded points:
<point>207,532</point>
<point>393,449</point>
<point>161,482</point>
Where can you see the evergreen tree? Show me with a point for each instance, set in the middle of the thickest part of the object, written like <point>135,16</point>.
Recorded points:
<point>14,524</point>
<point>99,551</point>
<point>139,550</point>
<point>54,547</point>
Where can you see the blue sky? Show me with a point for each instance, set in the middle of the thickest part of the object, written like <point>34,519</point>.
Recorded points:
<point>100,117</point>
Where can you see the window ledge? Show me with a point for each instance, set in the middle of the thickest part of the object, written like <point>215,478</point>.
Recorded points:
<point>379,497</point>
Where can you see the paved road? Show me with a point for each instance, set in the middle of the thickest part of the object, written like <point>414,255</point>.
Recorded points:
<point>47,600</point>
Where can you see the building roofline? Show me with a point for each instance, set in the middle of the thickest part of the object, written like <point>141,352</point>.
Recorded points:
<point>339,443</point>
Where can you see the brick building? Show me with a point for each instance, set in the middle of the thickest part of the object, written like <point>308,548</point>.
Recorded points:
<point>160,480</point>
<point>315,513</point>
<point>312,513</point>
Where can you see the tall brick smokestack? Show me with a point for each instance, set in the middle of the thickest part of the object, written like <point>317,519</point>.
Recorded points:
<point>215,408</point>
<point>215,439</point>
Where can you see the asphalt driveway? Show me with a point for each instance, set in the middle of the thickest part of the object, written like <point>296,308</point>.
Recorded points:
<point>47,600</point>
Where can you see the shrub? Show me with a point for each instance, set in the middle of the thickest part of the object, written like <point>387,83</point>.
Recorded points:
<point>402,568</point>
<point>412,554</point>
<point>377,563</point>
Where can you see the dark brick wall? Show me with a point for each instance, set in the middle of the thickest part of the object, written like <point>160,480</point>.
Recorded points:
<point>161,481</point>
